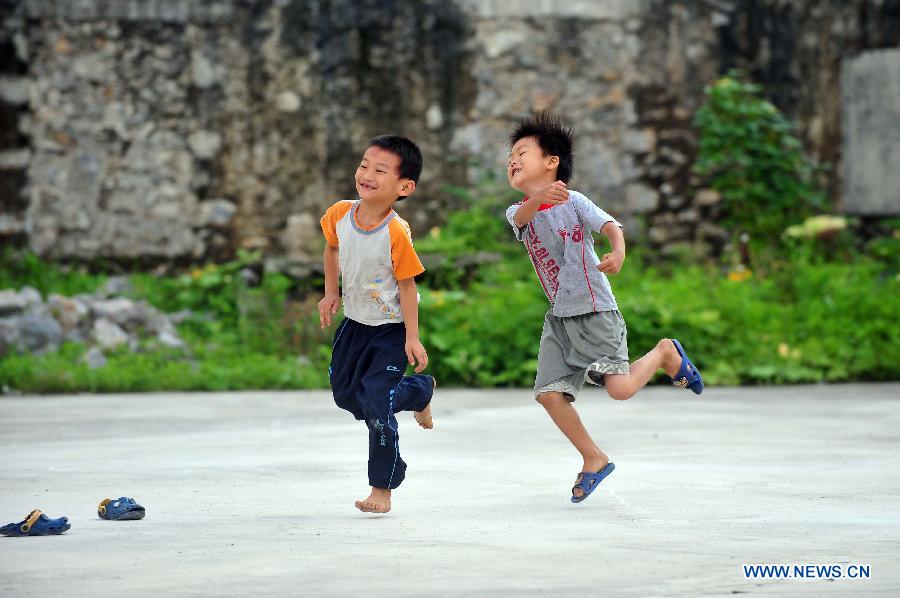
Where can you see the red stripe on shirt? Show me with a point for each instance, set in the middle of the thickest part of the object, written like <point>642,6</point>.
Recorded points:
<point>543,206</point>
<point>536,263</point>
<point>586,279</point>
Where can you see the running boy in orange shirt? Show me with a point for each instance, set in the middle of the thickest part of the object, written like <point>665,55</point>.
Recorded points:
<point>370,248</point>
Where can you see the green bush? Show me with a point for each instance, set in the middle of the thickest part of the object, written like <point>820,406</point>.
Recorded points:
<point>485,335</point>
<point>811,323</point>
<point>749,153</point>
<point>240,336</point>
<point>214,289</point>
<point>19,269</point>
<point>210,369</point>
<point>808,323</point>
<point>472,238</point>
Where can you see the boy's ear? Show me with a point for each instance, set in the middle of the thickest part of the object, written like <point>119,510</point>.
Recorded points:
<point>552,162</point>
<point>407,186</point>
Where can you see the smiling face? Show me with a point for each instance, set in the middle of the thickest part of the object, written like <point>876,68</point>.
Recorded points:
<point>378,177</point>
<point>528,168</point>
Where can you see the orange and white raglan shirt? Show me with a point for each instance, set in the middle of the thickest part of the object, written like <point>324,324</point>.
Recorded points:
<point>372,261</point>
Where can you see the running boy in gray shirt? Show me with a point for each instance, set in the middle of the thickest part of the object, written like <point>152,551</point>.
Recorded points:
<point>584,336</point>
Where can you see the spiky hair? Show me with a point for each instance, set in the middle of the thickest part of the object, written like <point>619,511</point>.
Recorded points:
<point>553,137</point>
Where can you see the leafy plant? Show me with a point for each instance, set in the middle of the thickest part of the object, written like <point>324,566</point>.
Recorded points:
<point>21,268</point>
<point>473,238</point>
<point>749,153</point>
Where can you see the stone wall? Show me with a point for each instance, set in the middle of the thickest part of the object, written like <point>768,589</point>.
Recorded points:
<point>174,131</point>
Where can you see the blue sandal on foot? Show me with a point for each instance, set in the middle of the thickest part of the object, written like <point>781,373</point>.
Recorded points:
<point>588,481</point>
<point>121,509</point>
<point>36,524</point>
<point>688,375</point>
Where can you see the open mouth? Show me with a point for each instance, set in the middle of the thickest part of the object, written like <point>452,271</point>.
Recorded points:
<point>514,172</point>
<point>366,186</point>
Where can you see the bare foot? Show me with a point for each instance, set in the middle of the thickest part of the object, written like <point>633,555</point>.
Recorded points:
<point>423,417</point>
<point>379,501</point>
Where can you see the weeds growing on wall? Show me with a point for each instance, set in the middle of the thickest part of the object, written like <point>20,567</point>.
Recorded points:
<point>749,153</point>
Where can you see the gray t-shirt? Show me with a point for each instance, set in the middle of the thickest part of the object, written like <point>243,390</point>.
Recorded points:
<point>561,248</point>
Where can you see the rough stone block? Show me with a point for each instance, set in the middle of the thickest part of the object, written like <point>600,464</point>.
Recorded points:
<point>109,335</point>
<point>639,141</point>
<point>15,159</point>
<point>870,106</point>
<point>216,213</point>
<point>11,303</point>
<point>707,197</point>
<point>39,332</point>
<point>641,198</point>
<point>94,358</point>
<point>14,90</point>
<point>617,10</point>
<point>205,144</point>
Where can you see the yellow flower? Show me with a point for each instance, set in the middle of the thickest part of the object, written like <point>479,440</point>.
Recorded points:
<point>783,349</point>
<point>740,275</point>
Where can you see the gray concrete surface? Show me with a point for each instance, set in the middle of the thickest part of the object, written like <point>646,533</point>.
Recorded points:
<point>252,494</point>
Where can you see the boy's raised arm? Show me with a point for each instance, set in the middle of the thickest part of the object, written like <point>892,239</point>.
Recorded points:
<point>554,194</point>
<point>526,211</point>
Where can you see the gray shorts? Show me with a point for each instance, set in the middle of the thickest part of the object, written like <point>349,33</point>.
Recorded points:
<point>570,345</point>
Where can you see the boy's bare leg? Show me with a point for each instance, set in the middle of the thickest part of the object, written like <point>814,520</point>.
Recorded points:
<point>664,355</point>
<point>379,501</point>
<point>569,423</point>
<point>423,417</point>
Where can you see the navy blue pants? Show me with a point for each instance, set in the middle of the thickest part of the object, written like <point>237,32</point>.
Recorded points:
<point>366,373</point>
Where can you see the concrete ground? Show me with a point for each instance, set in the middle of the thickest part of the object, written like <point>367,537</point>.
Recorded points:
<point>252,494</point>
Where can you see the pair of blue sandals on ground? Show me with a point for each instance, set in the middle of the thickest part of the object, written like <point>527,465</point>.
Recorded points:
<point>688,376</point>
<point>38,524</point>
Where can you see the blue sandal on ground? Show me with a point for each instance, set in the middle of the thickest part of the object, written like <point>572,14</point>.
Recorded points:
<point>36,524</point>
<point>121,509</point>
<point>588,481</point>
<point>688,375</point>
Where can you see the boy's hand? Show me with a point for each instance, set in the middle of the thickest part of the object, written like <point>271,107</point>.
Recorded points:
<point>554,194</point>
<point>415,352</point>
<point>611,262</point>
<point>328,306</point>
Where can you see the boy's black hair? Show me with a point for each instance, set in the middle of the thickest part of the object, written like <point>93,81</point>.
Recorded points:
<point>408,152</point>
<point>554,139</point>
